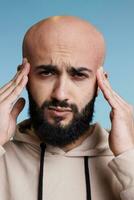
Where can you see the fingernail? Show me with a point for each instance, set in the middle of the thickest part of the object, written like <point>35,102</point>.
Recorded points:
<point>24,61</point>
<point>101,69</point>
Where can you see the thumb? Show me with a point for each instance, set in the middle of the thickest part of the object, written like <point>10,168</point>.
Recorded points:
<point>17,108</point>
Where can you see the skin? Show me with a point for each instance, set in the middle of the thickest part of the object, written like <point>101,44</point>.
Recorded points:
<point>56,45</point>
<point>66,43</point>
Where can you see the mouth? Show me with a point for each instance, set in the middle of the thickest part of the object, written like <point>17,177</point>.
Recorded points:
<point>58,111</point>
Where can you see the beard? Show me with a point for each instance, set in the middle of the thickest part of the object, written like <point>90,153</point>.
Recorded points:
<point>56,134</point>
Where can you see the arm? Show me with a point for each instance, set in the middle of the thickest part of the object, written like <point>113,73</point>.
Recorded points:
<point>121,137</point>
<point>123,168</point>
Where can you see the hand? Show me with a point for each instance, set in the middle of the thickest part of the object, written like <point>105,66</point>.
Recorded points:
<point>9,110</point>
<point>121,137</point>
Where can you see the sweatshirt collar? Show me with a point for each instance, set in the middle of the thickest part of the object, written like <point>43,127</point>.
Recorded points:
<point>96,144</point>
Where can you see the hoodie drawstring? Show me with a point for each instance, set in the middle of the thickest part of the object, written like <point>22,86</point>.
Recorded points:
<point>40,185</point>
<point>87,178</point>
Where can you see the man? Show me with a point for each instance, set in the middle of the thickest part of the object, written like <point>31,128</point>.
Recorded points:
<point>58,153</point>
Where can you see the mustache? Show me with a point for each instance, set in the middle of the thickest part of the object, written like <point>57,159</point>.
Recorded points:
<point>62,104</point>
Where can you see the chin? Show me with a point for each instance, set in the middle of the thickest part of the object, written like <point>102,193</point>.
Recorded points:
<point>59,122</point>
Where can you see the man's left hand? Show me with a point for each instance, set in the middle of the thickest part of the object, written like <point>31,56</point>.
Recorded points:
<point>121,137</point>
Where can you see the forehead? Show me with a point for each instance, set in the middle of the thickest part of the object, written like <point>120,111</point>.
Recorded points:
<point>67,52</point>
<point>62,45</point>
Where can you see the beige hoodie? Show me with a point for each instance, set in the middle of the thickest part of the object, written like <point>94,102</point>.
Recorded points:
<point>64,177</point>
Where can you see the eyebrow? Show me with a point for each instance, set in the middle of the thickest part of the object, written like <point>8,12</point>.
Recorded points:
<point>70,68</point>
<point>80,69</point>
<point>50,67</point>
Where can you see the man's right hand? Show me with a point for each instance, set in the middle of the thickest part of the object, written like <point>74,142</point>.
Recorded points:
<point>10,107</point>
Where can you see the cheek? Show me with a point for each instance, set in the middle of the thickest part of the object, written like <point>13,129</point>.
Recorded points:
<point>39,91</point>
<point>86,95</point>
<point>84,100</point>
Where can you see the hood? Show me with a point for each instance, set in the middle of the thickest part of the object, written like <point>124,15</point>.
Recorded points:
<point>94,145</point>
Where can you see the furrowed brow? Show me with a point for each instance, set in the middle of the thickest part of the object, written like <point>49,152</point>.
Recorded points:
<point>80,69</point>
<point>47,67</point>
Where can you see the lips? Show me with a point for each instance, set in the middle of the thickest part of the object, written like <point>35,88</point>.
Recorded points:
<point>58,111</point>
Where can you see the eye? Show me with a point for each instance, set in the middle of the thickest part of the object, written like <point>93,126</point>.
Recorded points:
<point>46,73</point>
<point>79,75</point>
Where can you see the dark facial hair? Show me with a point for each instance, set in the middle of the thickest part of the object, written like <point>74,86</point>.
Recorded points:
<point>55,134</point>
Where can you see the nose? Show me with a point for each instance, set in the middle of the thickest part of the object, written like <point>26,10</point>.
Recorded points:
<point>61,89</point>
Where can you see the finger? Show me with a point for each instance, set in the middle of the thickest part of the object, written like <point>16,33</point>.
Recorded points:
<point>115,95</point>
<point>2,89</point>
<point>17,108</point>
<point>19,70</point>
<point>120,99</point>
<point>110,95</point>
<point>106,89</point>
<point>24,61</point>
<point>19,67</point>
<point>11,86</point>
<point>25,66</point>
<point>16,92</point>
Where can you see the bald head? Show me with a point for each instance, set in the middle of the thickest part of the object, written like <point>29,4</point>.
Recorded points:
<point>64,53</point>
<point>64,34</point>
